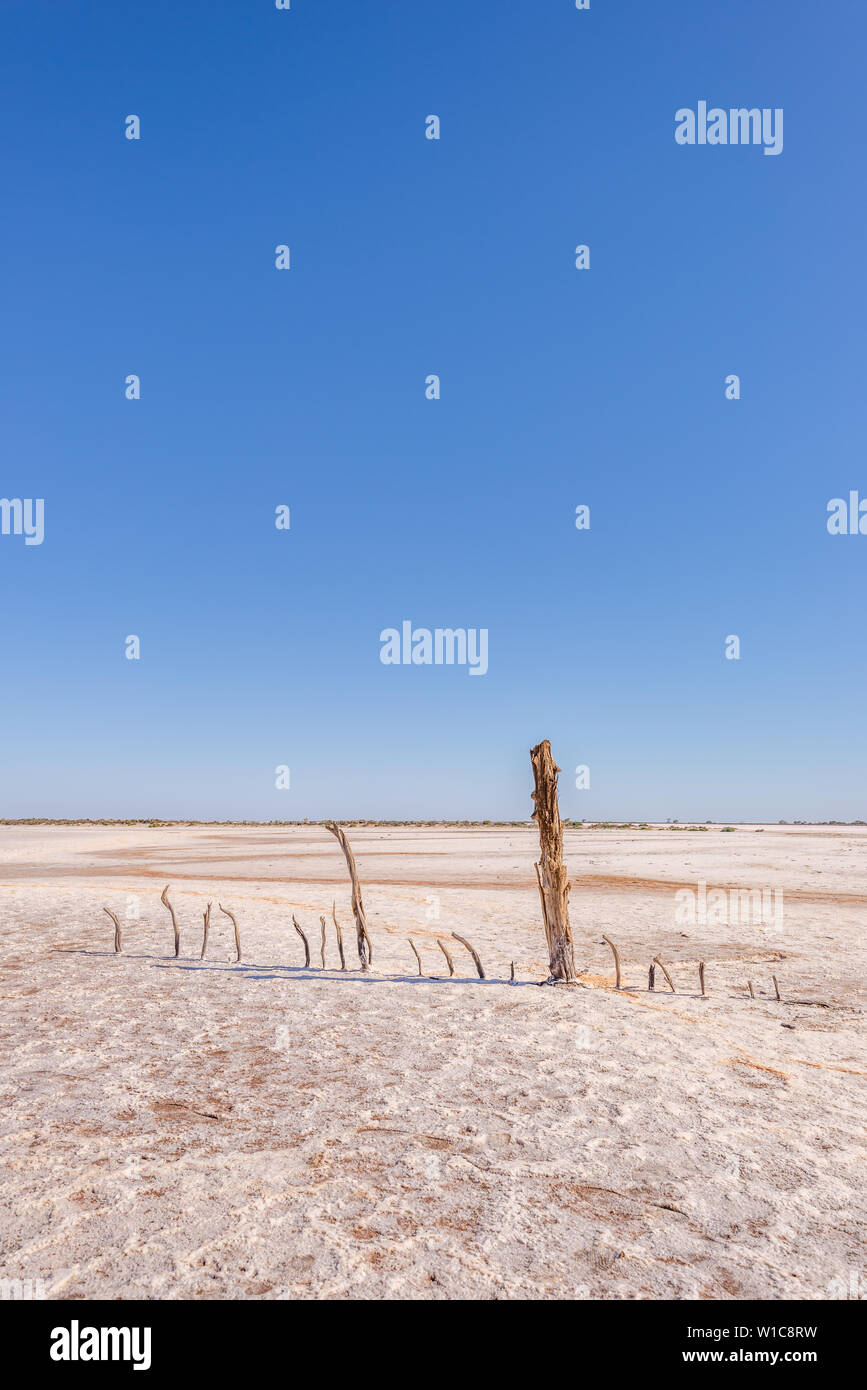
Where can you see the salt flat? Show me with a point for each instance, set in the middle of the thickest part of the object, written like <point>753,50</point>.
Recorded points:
<point>202,1129</point>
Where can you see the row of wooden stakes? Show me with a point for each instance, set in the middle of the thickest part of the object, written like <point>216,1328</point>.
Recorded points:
<point>651,978</point>
<point>164,899</point>
<point>651,974</point>
<point>118,935</point>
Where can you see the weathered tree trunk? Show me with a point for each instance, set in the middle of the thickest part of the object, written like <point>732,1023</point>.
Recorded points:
<point>551,871</point>
<point>365,954</point>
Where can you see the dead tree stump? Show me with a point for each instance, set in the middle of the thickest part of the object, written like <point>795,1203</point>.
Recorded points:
<point>551,871</point>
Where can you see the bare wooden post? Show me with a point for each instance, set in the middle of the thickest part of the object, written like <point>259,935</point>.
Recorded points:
<point>233,920</point>
<point>449,960</point>
<point>118,943</point>
<point>165,902</point>
<point>304,939</point>
<point>551,871</point>
<point>616,960</point>
<point>701,976</point>
<point>416,954</point>
<point>512,975</point>
<point>365,952</point>
<point>207,916</point>
<point>322,945</point>
<point>473,952</point>
<point>776,988</point>
<point>339,936</point>
<point>651,976</point>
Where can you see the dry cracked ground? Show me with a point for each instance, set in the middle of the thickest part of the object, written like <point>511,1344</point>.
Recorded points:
<point>205,1129</point>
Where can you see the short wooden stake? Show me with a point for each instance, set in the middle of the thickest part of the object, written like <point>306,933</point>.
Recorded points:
<point>207,916</point>
<point>416,954</point>
<point>616,960</point>
<point>473,952</point>
<point>233,920</point>
<point>118,943</point>
<point>164,900</point>
<point>339,936</point>
<point>304,939</point>
<point>445,952</point>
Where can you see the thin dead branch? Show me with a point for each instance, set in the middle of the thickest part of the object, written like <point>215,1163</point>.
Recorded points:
<point>118,943</point>
<point>416,954</point>
<point>777,989</point>
<point>544,909</point>
<point>365,950</point>
<point>165,902</point>
<point>751,990</point>
<point>339,936</point>
<point>207,916</point>
<point>512,975</point>
<point>658,962</point>
<point>449,961</point>
<point>701,976</point>
<point>322,945</point>
<point>616,960</point>
<point>651,976</point>
<point>234,922</point>
<point>304,939</point>
<point>473,952</point>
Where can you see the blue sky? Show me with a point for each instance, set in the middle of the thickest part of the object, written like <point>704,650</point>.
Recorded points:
<point>306,387</point>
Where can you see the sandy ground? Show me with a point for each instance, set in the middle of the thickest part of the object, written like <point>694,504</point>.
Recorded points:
<point>202,1129</point>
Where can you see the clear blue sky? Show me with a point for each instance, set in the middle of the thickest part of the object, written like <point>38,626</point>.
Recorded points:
<point>306,387</point>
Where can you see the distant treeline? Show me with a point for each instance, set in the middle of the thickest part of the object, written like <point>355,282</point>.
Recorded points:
<point>154,824</point>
